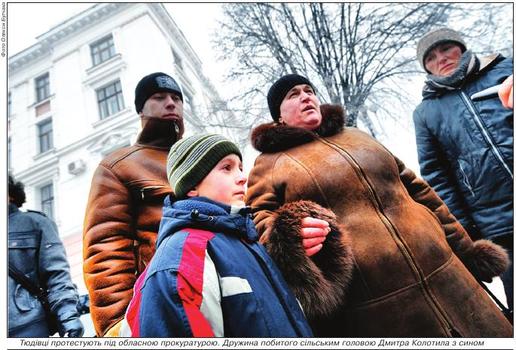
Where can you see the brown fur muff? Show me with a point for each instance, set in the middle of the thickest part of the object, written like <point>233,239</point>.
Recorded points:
<point>319,282</point>
<point>487,260</point>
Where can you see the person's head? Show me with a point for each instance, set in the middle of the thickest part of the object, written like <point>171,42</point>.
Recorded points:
<point>16,192</point>
<point>159,95</point>
<point>207,165</point>
<point>439,51</point>
<point>292,101</point>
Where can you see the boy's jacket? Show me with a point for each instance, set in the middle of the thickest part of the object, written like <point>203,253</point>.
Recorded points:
<point>210,277</point>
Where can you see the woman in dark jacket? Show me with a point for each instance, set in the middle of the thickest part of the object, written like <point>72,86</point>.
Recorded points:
<point>396,263</point>
<point>465,143</point>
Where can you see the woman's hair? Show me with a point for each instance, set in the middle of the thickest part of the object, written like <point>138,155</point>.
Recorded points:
<point>16,192</point>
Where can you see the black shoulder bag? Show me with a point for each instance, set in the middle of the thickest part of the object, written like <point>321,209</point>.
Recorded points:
<point>506,312</point>
<point>39,293</point>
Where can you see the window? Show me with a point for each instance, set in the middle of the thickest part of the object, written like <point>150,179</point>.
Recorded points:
<point>110,99</point>
<point>102,50</point>
<point>42,87</point>
<point>46,194</point>
<point>177,59</point>
<point>45,135</point>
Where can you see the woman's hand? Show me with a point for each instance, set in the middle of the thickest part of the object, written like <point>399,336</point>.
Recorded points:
<point>505,92</point>
<point>313,233</point>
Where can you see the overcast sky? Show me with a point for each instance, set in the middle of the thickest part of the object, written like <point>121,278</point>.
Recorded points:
<point>197,21</point>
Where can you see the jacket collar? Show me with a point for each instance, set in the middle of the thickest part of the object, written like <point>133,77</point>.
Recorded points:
<point>159,132</point>
<point>432,89</point>
<point>274,137</point>
<point>13,208</point>
<point>488,61</point>
<point>206,214</point>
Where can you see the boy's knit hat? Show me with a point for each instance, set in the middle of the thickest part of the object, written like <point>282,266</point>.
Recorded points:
<point>191,159</point>
<point>151,84</point>
<point>434,38</point>
<point>279,90</point>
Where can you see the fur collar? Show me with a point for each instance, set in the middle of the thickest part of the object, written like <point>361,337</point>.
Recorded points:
<point>274,137</point>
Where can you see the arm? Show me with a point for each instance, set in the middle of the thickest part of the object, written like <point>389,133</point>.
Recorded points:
<point>435,169</point>
<point>483,258</point>
<point>108,249</point>
<point>262,196</point>
<point>505,92</point>
<point>55,272</point>
<point>319,281</point>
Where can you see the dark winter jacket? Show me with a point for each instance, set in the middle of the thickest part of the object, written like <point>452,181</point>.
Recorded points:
<point>122,220</point>
<point>411,260</point>
<point>465,150</point>
<point>210,277</point>
<point>36,250</point>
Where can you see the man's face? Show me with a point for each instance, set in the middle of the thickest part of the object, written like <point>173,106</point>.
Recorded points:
<point>301,108</point>
<point>443,59</point>
<point>163,105</point>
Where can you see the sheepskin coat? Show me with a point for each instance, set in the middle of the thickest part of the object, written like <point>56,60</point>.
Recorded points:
<point>122,220</point>
<point>403,265</point>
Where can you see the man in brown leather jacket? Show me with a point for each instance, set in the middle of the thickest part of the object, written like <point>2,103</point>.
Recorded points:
<point>125,203</point>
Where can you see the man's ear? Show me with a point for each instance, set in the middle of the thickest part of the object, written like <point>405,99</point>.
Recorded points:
<point>192,193</point>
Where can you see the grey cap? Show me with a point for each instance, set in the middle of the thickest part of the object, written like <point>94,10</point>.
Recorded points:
<point>434,38</point>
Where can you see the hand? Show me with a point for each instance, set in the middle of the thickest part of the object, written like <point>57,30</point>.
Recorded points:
<point>313,233</point>
<point>505,92</point>
<point>73,327</point>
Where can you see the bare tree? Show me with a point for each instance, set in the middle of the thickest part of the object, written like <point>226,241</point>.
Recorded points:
<point>215,116</point>
<point>346,48</point>
<point>487,27</point>
<point>352,52</point>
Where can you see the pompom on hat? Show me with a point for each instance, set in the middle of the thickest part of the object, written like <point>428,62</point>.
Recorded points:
<point>433,38</point>
<point>191,159</point>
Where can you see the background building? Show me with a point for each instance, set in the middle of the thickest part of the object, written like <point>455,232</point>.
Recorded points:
<point>70,103</point>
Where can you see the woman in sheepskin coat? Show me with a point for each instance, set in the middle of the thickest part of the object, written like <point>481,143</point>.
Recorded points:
<point>396,262</point>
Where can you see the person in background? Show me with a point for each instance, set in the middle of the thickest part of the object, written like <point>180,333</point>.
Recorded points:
<point>394,262</point>
<point>125,202</point>
<point>36,251</point>
<point>465,140</point>
<point>209,276</point>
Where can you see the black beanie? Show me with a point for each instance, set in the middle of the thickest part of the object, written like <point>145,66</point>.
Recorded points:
<point>151,84</point>
<point>279,90</point>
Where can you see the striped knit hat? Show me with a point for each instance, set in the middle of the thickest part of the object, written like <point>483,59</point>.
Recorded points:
<point>191,159</point>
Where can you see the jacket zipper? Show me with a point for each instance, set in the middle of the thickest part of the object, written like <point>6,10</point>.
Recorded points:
<point>466,179</point>
<point>394,233</point>
<point>143,189</point>
<point>478,121</point>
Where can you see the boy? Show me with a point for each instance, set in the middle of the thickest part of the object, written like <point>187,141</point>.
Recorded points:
<point>209,275</point>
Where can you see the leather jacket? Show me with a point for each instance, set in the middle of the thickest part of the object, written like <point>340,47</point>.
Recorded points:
<point>122,220</point>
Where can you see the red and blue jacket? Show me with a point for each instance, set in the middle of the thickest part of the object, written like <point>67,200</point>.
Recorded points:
<point>210,277</point>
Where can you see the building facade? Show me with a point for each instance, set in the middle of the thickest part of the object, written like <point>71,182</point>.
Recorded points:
<point>70,103</point>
